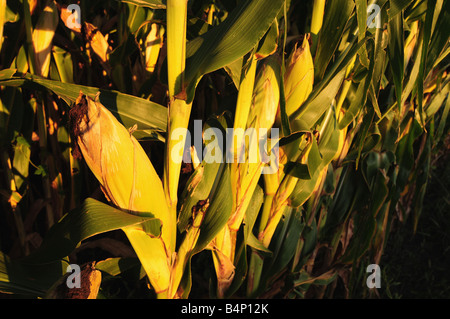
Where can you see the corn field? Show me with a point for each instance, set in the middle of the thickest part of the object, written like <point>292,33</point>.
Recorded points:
<point>128,145</point>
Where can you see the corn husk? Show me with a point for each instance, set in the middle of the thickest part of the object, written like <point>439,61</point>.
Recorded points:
<point>43,38</point>
<point>69,19</point>
<point>261,115</point>
<point>299,77</point>
<point>119,162</point>
<point>266,95</point>
<point>97,41</point>
<point>128,180</point>
<point>153,44</point>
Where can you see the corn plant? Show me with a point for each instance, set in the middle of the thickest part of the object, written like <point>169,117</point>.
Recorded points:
<point>253,149</point>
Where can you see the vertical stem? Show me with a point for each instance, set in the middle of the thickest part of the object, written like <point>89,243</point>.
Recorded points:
<point>2,20</point>
<point>179,110</point>
<point>176,45</point>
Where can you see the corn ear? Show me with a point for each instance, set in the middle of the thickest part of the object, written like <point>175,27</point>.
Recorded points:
<point>243,105</point>
<point>299,77</point>
<point>43,38</point>
<point>98,42</point>
<point>317,21</point>
<point>262,115</point>
<point>119,162</point>
<point>317,16</point>
<point>244,101</point>
<point>129,180</point>
<point>259,114</point>
<point>266,95</point>
<point>153,44</point>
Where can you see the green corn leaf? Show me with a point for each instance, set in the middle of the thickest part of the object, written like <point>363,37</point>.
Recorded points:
<point>443,121</point>
<point>30,280</point>
<point>64,64</point>
<point>198,188</point>
<point>118,265</point>
<point>306,279</point>
<point>152,4</point>
<point>437,101</point>
<point>230,40</point>
<point>361,14</point>
<point>218,212</point>
<point>365,225</point>
<point>204,177</point>
<point>396,54</point>
<point>397,6</point>
<point>438,46</point>
<point>268,43</point>
<point>346,199</point>
<point>285,246</point>
<point>423,58</point>
<point>150,117</point>
<point>306,171</point>
<point>337,14</point>
<point>92,218</point>
<point>309,239</point>
<point>248,240</point>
